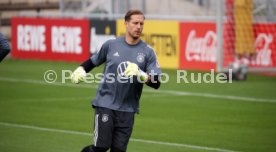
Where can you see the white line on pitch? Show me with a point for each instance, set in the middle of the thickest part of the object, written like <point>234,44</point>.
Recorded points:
<point>69,98</point>
<point>171,92</point>
<point>50,99</point>
<point>132,139</point>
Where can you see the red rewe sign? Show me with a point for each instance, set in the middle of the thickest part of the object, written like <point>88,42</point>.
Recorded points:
<point>50,39</point>
<point>198,46</point>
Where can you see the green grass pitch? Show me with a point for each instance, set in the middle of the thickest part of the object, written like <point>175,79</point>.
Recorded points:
<point>179,117</point>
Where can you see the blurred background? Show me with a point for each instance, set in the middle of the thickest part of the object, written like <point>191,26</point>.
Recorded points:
<point>242,32</point>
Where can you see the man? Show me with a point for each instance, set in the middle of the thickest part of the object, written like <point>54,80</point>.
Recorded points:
<point>116,102</point>
<point>4,47</point>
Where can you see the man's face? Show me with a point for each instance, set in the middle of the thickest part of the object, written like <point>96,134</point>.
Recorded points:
<point>134,26</point>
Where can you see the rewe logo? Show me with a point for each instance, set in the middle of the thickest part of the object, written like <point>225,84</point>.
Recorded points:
<point>31,38</point>
<point>66,39</point>
<point>263,50</point>
<point>201,48</point>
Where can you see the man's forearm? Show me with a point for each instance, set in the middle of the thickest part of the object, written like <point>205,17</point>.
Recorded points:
<point>4,53</point>
<point>88,65</point>
<point>154,82</point>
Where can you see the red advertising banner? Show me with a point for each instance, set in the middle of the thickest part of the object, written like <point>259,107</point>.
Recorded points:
<point>50,39</point>
<point>265,45</point>
<point>198,45</point>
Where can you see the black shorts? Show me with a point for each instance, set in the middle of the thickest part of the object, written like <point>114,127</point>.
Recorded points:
<point>112,129</point>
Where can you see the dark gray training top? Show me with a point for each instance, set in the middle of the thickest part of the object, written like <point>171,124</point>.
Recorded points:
<point>4,43</point>
<point>4,47</point>
<point>116,91</point>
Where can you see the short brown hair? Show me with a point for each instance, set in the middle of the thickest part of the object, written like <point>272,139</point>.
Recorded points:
<point>133,12</point>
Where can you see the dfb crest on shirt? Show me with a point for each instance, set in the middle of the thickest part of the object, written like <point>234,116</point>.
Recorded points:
<point>105,117</point>
<point>140,57</point>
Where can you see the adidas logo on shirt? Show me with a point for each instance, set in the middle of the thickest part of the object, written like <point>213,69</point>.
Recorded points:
<point>116,54</point>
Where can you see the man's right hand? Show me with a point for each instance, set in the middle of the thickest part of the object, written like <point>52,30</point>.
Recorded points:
<point>78,75</point>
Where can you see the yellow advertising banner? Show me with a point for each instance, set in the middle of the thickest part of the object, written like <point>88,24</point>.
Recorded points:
<point>244,34</point>
<point>163,37</point>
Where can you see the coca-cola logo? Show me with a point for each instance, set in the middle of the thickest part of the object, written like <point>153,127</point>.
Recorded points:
<point>263,51</point>
<point>201,48</point>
